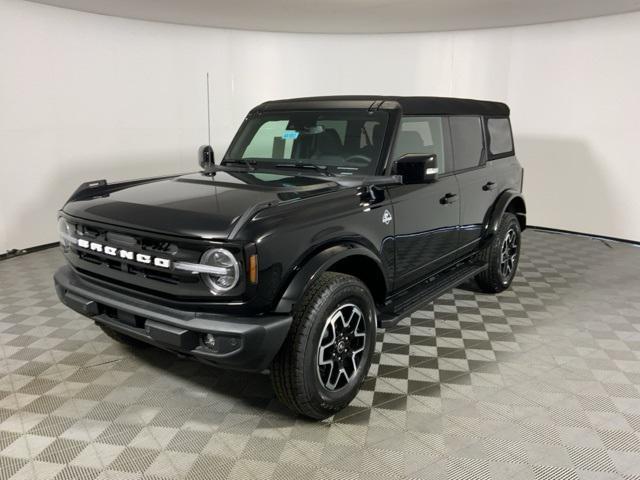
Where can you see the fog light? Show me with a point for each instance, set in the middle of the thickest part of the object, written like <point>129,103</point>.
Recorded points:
<point>209,341</point>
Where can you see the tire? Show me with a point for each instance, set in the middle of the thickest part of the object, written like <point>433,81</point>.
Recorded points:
<point>497,277</point>
<point>124,339</point>
<point>303,373</point>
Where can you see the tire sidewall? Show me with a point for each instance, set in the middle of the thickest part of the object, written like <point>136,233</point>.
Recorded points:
<point>509,222</point>
<point>339,294</point>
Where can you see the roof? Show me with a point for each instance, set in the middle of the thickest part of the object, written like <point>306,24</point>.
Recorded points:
<point>410,105</point>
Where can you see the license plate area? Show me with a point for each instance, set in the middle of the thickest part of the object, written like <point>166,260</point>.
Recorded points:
<point>127,318</point>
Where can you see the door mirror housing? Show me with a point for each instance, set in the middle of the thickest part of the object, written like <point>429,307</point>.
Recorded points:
<point>206,158</point>
<point>417,168</point>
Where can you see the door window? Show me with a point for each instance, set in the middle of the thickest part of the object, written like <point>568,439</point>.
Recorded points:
<point>466,136</point>
<point>421,135</point>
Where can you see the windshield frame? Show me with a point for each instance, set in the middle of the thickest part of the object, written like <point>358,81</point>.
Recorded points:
<point>303,165</point>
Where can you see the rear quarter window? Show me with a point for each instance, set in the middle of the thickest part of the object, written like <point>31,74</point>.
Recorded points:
<point>500,140</point>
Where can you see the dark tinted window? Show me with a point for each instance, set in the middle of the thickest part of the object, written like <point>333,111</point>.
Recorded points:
<point>421,135</point>
<point>500,140</point>
<point>466,136</point>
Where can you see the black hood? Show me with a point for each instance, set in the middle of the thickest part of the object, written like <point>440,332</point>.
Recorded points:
<point>196,205</point>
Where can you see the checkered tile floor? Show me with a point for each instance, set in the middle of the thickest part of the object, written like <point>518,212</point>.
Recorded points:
<point>539,382</point>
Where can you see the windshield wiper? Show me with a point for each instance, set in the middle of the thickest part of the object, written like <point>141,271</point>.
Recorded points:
<point>318,168</point>
<point>250,164</point>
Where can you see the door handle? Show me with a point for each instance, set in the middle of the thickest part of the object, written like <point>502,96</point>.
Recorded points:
<point>449,198</point>
<point>489,186</point>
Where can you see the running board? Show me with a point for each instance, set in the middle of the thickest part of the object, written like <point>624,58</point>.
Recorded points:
<point>424,292</point>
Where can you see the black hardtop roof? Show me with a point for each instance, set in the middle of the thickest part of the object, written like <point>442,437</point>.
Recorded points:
<point>410,105</point>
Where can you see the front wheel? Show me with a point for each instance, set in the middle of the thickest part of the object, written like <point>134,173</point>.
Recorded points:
<point>502,256</point>
<point>328,350</point>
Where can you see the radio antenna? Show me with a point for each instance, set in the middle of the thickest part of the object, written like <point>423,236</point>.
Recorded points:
<point>205,152</point>
<point>208,111</point>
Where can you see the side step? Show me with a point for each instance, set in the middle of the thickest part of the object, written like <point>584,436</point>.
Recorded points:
<point>427,291</point>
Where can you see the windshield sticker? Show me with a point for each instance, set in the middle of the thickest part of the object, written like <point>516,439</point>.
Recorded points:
<point>290,134</point>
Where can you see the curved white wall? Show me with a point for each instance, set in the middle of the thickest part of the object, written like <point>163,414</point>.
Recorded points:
<point>85,96</point>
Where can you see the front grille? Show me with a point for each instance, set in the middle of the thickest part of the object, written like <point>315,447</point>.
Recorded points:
<point>144,277</point>
<point>158,275</point>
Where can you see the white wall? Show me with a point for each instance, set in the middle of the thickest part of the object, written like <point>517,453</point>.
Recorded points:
<point>85,96</point>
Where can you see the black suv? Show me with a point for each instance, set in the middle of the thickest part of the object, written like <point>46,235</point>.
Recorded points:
<point>327,218</point>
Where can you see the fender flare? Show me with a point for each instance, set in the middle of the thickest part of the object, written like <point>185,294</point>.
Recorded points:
<point>318,264</point>
<point>499,207</point>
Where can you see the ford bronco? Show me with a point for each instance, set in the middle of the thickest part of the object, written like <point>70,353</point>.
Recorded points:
<point>327,219</point>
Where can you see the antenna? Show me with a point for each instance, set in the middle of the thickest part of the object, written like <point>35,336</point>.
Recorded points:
<point>208,111</point>
<point>205,152</point>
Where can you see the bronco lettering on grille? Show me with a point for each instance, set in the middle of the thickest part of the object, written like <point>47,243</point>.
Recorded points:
<point>124,254</point>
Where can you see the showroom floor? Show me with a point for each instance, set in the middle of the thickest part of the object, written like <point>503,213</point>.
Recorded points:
<point>542,381</point>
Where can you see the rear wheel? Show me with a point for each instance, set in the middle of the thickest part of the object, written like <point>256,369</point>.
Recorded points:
<point>328,350</point>
<point>502,256</point>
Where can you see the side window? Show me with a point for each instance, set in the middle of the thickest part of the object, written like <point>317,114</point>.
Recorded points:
<point>500,141</point>
<point>421,135</point>
<point>466,137</point>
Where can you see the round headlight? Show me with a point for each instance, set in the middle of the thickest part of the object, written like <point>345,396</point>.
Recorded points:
<point>224,259</point>
<point>64,231</point>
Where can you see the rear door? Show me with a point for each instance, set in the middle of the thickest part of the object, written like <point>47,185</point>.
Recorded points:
<point>426,216</point>
<point>478,183</point>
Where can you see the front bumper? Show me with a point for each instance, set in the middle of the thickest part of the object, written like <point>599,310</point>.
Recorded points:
<point>242,343</point>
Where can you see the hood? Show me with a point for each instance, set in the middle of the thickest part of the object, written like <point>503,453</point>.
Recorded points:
<point>193,205</point>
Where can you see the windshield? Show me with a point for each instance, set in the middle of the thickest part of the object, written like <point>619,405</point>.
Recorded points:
<point>341,141</point>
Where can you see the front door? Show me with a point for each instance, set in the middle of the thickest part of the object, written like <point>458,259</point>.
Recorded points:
<point>426,227</point>
<point>426,216</point>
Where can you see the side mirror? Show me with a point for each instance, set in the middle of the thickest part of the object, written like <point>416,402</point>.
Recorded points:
<point>205,158</point>
<point>417,168</point>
